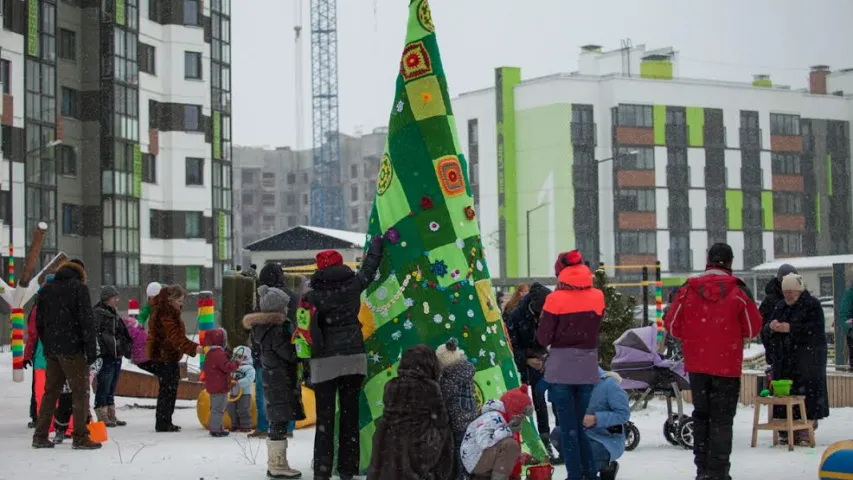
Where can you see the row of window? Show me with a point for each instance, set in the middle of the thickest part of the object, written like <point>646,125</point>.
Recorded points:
<point>643,116</point>
<point>269,199</point>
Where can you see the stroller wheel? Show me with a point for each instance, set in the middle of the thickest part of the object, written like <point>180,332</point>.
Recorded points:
<point>670,433</point>
<point>632,436</point>
<point>685,433</point>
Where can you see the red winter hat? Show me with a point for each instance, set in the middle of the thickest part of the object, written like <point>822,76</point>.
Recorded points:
<point>516,401</point>
<point>567,259</point>
<point>133,304</point>
<point>329,258</point>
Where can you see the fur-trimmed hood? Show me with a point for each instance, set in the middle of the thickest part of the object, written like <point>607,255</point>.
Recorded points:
<point>604,374</point>
<point>263,318</point>
<point>71,270</point>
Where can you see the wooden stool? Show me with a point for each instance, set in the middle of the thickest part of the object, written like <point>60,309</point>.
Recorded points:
<point>787,424</point>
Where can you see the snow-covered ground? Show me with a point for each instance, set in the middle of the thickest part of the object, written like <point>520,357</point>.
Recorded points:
<point>137,452</point>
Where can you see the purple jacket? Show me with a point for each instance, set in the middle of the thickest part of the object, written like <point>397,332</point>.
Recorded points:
<point>569,326</point>
<point>139,336</point>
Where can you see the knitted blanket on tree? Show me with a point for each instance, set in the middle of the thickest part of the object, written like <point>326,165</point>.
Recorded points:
<point>433,283</point>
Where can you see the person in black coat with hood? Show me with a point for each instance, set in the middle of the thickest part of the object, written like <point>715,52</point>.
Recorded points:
<point>338,361</point>
<point>797,328</point>
<point>772,296</point>
<point>529,355</point>
<point>279,376</point>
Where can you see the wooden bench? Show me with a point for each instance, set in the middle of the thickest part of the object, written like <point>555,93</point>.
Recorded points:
<point>787,424</point>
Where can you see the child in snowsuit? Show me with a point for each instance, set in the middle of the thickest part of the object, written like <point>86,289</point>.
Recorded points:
<point>240,411</point>
<point>413,439</point>
<point>457,388</point>
<point>138,336</point>
<point>218,368</point>
<point>491,448</point>
<point>280,377</point>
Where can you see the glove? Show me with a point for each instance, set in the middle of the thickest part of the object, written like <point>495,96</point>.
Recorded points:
<point>27,363</point>
<point>515,423</point>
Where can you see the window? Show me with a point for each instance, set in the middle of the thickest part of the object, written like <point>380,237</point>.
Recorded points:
<point>268,200</point>
<point>154,10</point>
<point>637,243</point>
<point>636,159</point>
<point>192,118</point>
<point>67,160</point>
<point>368,192</point>
<point>191,12</point>
<point>291,221</point>
<point>70,103</point>
<point>248,177</point>
<point>676,116</point>
<point>291,178</point>
<point>248,220</point>
<point>195,171</point>
<point>291,199</point>
<point>192,225</point>
<point>304,199</point>
<point>781,124</point>
<point>248,198</point>
<point>353,214</point>
<point>72,219</point>
<point>147,59</point>
<point>679,252</point>
<point>6,75</point>
<point>305,178</point>
<point>353,171</point>
<point>635,200</point>
<point>193,283</point>
<point>677,157</point>
<point>353,190</point>
<point>825,282</point>
<point>149,168</point>
<point>787,203</point>
<point>268,179</point>
<point>634,116</point>
<point>67,44</point>
<point>269,221</point>
<point>473,132</point>
<point>788,243</point>
<point>786,164</point>
<point>752,242</point>
<point>192,65</point>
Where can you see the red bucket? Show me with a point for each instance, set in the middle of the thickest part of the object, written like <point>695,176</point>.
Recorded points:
<point>540,472</point>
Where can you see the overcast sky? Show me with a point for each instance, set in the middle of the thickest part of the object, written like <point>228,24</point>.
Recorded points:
<point>723,39</point>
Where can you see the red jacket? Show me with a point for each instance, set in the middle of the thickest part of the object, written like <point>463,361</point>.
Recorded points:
<point>217,364</point>
<point>32,336</point>
<point>712,314</point>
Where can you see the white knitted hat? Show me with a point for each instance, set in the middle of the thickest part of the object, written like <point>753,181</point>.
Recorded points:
<point>153,289</point>
<point>449,354</point>
<point>793,282</point>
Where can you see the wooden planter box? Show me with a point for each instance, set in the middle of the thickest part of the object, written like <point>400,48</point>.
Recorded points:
<point>143,385</point>
<point>839,386</point>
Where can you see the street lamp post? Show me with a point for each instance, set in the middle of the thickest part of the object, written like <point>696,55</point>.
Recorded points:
<point>35,151</point>
<point>528,233</point>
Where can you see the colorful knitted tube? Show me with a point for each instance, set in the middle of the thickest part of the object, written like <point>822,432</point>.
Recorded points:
<point>659,308</point>
<point>17,339</point>
<point>205,319</point>
<point>11,265</point>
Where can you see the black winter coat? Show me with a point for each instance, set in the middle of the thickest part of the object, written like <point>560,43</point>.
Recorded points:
<point>336,293</point>
<point>413,440</point>
<point>280,376</point>
<point>113,337</point>
<point>801,356</point>
<point>772,297</point>
<point>64,317</point>
<point>457,388</point>
<point>272,276</point>
<point>522,325</point>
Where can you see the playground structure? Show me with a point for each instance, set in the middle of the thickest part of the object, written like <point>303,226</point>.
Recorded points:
<point>644,284</point>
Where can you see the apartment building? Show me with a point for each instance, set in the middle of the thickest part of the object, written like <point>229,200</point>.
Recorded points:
<point>119,133</point>
<point>273,187</point>
<point>631,164</point>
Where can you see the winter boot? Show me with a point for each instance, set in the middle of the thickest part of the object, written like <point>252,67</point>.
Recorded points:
<point>103,414</point>
<point>258,434</point>
<point>277,466</point>
<point>42,443</point>
<point>219,434</point>
<point>553,455</point>
<point>609,472</point>
<point>84,443</point>
<point>59,436</point>
<point>112,412</point>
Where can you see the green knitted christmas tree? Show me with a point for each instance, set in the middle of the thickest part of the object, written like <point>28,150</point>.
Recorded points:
<point>433,283</point>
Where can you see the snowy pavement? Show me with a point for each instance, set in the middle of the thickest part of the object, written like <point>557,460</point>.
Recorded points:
<point>137,452</point>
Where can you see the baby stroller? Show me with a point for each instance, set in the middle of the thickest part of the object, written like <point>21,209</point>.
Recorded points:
<point>645,374</point>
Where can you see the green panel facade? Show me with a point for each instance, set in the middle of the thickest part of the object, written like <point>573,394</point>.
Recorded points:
<point>507,79</point>
<point>660,124</point>
<point>734,207</point>
<point>767,209</point>
<point>696,126</point>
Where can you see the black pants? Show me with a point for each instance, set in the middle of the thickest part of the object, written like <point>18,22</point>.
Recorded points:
<point>714,408</point>
<point>168,374</point>
<point>148,366</point>
<point>34,414</point>
<point>279,430</point>
<point>63,412</point>
<point>348,389</point>
<point>540,405</point>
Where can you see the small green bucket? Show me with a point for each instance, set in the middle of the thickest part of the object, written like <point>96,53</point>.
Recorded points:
<point>781,388</point>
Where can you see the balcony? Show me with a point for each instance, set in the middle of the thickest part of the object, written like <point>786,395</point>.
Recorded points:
<point>676,135</point>
<point>715,136</point>
<point>753,257</point>
<point>634,135</point>
<point>715,218</point>
<point>678,176</point>
<point>679,217</point>
<point>715,177</point>
<point>750,138</point>
<point>808,144</point>
<point>750,178</point>
<point>584,133</point>
<point>680,260</point>
<point>753,219</point>
<point>585,177</point>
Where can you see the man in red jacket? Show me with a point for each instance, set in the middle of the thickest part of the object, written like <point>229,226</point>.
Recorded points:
<point>711,315</point>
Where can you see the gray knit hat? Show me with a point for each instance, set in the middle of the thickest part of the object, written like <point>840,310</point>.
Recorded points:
<point>108,292</point>
<point>272,300</point>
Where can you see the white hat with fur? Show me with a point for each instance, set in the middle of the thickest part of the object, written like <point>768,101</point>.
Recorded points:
<point>449,354</point>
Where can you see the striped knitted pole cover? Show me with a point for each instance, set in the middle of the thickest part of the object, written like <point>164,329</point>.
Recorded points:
<point>11,265</point>
<point>205,319</point>
<point>18,344</point>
